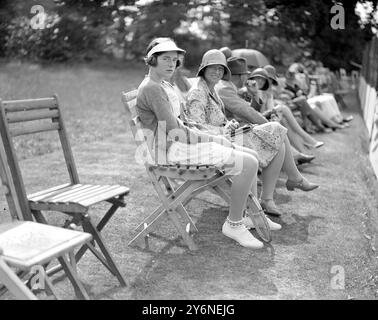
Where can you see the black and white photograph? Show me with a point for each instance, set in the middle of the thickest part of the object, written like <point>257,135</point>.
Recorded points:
<point>187,157</point>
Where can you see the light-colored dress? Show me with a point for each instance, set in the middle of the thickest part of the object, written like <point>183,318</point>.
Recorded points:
<point>207,109</point>
<point>204,153</point>
<point>327,103</point>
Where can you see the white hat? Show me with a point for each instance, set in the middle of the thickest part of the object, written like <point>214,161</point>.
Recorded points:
<point>165,46</point>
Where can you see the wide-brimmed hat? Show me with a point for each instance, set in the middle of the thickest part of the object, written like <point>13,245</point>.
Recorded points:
<point>213,57</point>
<point>165,46</point>
<point>262,73</point>
<point>237,65</point>
<point>259,72</point>
<point>271,73</point>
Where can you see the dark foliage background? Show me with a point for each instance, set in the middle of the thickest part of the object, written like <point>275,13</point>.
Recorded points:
<point>86,30</point>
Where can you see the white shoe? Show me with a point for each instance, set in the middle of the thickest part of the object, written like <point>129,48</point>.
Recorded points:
<point>247,221</point>
<point>242,236</point>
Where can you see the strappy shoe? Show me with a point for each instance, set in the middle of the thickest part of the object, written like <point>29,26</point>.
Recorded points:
<point>303,185</point>
<point>348,119</point>
<point>318,144</point>
<point>303,158</point>
<point>269,209</point>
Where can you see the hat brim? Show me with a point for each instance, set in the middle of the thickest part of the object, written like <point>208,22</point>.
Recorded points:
<point>274,80</point>
<point>257,76</point>
<point>166,46</point>
<point>247,72</point>
<point>226,75</point>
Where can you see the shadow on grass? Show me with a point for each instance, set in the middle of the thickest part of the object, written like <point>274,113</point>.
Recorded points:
<point>220,268</point>
<point>297,231</point>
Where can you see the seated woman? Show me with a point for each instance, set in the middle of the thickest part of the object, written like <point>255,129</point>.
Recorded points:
<point>299,138</point>
<point>309,111</point>
<point>155,109</point>
<point>205,108</point>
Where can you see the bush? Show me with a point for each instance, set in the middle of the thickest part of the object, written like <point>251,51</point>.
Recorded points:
<point>62,39</point>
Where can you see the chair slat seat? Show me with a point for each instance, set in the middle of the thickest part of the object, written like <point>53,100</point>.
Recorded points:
<point>48,242</point>
<point>185,172</point>
<point>79,194</point>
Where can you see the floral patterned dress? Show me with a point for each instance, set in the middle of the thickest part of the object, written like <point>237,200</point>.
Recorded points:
<point>206,109</point>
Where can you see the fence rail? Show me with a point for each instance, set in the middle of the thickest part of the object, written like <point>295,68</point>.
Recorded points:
<point>367,91</point>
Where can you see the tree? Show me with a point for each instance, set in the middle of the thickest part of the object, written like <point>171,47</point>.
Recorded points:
<point>308,25</point>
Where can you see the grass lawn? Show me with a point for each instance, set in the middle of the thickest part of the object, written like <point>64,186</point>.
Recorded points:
<point>90,97</point>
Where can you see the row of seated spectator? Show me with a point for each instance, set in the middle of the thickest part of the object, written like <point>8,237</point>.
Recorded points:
<point>212,107</point>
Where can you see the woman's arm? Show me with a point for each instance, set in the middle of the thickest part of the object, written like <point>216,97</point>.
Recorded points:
<point>195,112</point>
<point>158,101</point>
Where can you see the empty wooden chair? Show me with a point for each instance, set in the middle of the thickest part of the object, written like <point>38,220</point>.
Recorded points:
<point>26,245</point>
<point>21,117</point>
<point>13,283</point>
<point>177,185</point>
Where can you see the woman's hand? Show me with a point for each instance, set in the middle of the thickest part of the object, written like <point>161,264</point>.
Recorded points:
<point>252,87</point>
<point>232,125</point>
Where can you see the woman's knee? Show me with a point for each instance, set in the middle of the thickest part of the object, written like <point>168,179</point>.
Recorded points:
<point>248,161</point>
<point>277,124</point>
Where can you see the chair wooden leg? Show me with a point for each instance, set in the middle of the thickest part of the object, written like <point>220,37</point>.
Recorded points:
<point>182,211</point>
<point>79,255</point>
<point>223,194</point>
<point>148,227</point>
<point>80,291</point>
<point>173,215</point>
<point>14,284</point>
<point>73,263</point>
<point>87,223</point>
<point>49,288</point>
<point>150,218</point>
<point>107,217</point>
<point>39,217</point>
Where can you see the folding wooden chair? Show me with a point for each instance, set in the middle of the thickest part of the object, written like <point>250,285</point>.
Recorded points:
<point>13,282</point>
<point>177,185</point>
<point>25,245</point>
<point>21,117</point>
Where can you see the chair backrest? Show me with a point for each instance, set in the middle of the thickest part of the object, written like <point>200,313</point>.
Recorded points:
<point>129,101</point>
<point>7,186</point>
<point>22,117</point>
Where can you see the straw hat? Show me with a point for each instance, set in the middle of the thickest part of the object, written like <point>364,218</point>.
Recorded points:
<point>213,57</point>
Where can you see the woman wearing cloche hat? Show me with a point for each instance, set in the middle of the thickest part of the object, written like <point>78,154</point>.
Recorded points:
<point>205,108</point>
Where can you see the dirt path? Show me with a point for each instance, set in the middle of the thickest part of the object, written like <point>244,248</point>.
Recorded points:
<point>326,233</point>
